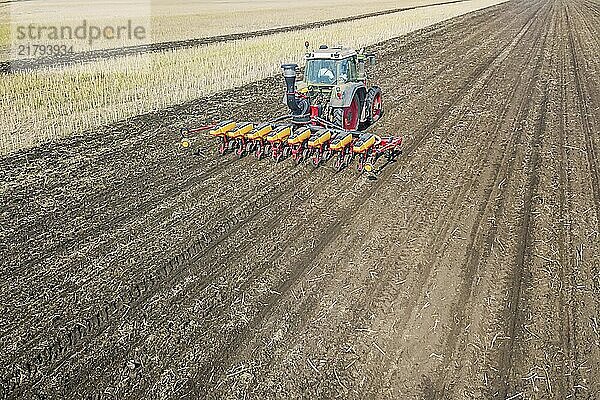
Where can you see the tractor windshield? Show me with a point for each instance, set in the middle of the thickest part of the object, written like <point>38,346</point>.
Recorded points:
<point>328,72</point>
<point>321,72</point>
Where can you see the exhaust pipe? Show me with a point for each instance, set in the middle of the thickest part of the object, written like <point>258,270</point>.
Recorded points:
<point>289,74</point>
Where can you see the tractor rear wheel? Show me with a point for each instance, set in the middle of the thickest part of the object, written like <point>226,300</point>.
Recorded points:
<point>374,105</point>
<point>347,117</point>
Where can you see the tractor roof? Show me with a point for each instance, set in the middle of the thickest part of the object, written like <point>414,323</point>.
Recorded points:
<point>335,53</point>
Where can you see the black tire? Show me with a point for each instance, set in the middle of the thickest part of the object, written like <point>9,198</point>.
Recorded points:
<point>338,114</point>
<point>338,117</point>
<point>373,94</point>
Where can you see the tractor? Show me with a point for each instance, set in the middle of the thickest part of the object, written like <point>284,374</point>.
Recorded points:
<point>330,108</point>
<point>334,88</point>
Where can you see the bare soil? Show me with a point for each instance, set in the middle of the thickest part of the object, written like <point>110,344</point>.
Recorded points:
<point>468,269</point>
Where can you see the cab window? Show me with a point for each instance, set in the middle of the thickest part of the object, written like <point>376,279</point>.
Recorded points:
<point>347,70</point>
<point>321,72</point>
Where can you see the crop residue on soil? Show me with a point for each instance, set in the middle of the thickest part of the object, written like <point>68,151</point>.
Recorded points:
<point>468,269</point>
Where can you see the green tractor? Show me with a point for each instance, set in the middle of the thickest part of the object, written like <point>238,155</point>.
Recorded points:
<point>334,89</point>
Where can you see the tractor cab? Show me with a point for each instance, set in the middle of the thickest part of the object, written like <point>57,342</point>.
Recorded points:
<point>332,70</point>
<point>334,87</point>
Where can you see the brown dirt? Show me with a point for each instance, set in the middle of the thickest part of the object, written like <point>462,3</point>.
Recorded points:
<point>468,269</point>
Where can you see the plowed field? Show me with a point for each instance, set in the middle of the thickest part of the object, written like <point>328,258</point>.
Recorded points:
<point>470,268</point>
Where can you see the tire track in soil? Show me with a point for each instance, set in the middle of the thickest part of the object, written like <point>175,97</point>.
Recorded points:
<point>472,80</point>
<point>191,184</point>
<point>443,226</point>
<point>299,179</point>
<point>201,284</point>
<point>292,185</point>
<point>440,119</point>
<point>127,214</point>
<point>440,246</point>
<point>590,155</point>
<point>479,247</point>
<point>591,4</point>
<point>594,9</point>
<point>523,247</point>
<point>227,162</point>
<point>557,375</point>
<point>567,314</point>
<point>523,256</point>
<point>592,37</point>
<point>122,218</point>
<point>591,84</point>
<point>12,66</point>
<point>585,114</point>
<point>52,356</point>
<point>197,193</point>
<point>155,218</point>
<point>252,276</point>
<point>508,165</point>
